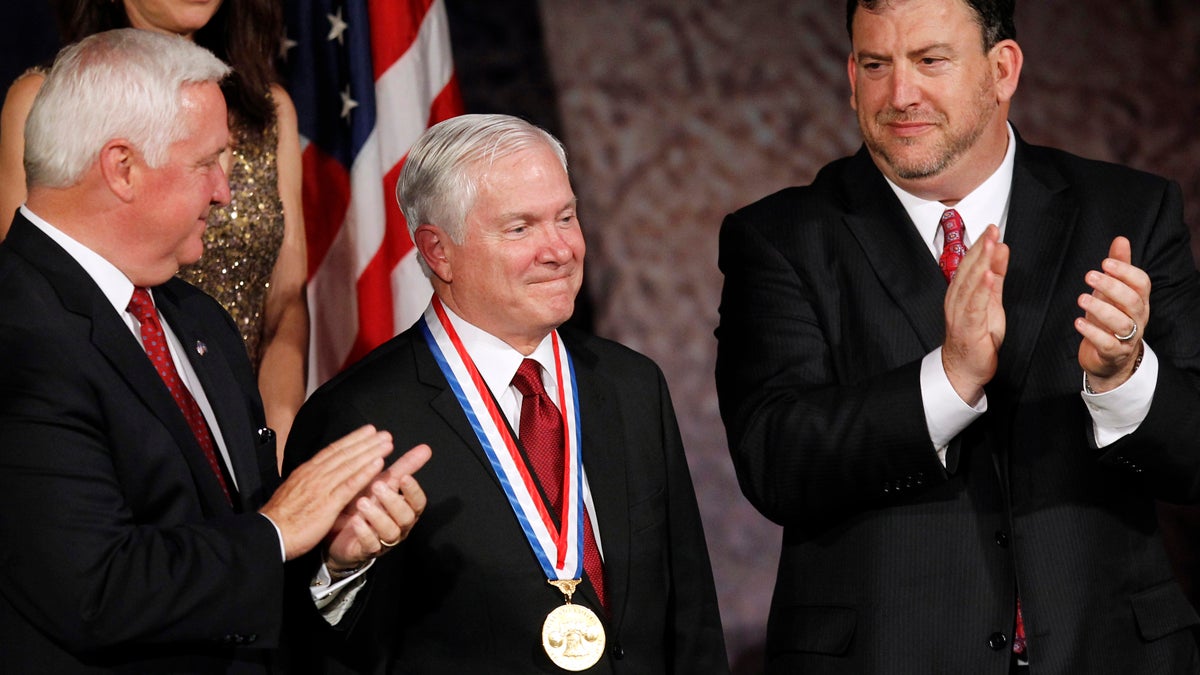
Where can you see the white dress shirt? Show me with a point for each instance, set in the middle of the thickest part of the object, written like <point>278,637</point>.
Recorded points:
<point>1115,413</point>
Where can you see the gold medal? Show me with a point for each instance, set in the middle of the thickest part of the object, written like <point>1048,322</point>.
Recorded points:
<point>572,635</point>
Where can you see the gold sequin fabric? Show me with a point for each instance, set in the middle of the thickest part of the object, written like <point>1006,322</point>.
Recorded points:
<point>243,239</point>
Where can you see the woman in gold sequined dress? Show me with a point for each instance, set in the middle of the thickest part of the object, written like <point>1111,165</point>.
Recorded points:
<point>254,261</point>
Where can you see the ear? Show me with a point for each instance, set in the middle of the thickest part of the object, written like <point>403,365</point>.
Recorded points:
<point>852,73</point>
<point>117,165</point>
<point>1007,60</point>
<point>436,247</point>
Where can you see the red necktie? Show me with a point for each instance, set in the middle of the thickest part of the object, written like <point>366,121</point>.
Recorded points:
<point>953,248</point>
<point>541,432</point>
<point>155,344</point>
<point>1019,632</point>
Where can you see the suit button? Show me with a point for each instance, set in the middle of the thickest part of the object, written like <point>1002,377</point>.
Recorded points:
<point>618,652</point>
<point>251,638</point>
<point>997,641</point>
<point>1001,538</point>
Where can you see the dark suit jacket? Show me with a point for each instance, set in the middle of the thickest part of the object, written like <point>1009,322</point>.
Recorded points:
<point>464,593</point>
<point>891,563</point>
<point>119,553</point>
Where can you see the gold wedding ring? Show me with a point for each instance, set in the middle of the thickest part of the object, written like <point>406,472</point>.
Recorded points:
<point>389,544</point>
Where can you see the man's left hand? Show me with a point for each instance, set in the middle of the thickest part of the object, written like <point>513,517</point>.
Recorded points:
<point>381,516</point>
<point>1115,316</point>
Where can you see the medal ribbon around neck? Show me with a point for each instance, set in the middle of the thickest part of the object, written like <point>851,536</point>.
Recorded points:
<point>559,550</point>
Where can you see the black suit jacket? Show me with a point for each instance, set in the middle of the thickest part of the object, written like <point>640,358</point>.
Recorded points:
<point>119,552</point>
<point>464,593</point>
<point>891,563</point>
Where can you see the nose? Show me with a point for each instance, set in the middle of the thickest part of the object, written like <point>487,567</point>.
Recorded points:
<point>220,193</point>
<point>557,244</point>
<point>905,91</point>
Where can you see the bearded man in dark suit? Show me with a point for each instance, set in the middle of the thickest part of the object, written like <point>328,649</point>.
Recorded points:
<point>959,369</point>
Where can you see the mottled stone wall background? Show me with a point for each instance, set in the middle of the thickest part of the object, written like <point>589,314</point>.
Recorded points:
<point>678,112</point>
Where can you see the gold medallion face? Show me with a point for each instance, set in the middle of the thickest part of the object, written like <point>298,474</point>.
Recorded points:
<point>573,637</point>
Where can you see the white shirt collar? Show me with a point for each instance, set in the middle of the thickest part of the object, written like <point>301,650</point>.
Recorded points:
<point>112,282</point>
<point>985,205</point>
<point>497,361</point>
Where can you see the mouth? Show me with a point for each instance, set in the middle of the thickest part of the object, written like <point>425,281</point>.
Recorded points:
<point>908,129</point>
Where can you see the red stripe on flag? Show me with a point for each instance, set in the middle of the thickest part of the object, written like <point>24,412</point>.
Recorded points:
<point>394,27</point>
<point>376,320</point>
<point>448,103</point>
<point>326,196</point>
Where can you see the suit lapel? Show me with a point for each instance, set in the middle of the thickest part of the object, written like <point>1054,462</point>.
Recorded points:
<point>605,465</point>
<point>445,403</point>
<point>112,338</point>
<point>1041,222</point>
<point>890,244</point>
<point>215,373</point>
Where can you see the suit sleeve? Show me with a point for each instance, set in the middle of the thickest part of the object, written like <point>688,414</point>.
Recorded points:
<point>84,558</point>
<point>809,445</point>
<point>1164,451</point>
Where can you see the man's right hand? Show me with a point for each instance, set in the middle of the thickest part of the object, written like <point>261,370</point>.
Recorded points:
<point>307,503</point>
<point>975,321</point>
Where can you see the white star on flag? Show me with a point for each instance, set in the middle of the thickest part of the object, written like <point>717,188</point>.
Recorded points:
<point>348,103</point>
<point>285,46</point>
<point>336,28</point>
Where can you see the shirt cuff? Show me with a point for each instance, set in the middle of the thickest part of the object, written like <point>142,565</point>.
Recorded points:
<point>1119,412</point>
<point>333,598</point>
<point>278,535</point>
<point>946,414</point>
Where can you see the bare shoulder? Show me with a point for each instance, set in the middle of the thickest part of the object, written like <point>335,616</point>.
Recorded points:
<point>20,95</point>
<point>285,110</point>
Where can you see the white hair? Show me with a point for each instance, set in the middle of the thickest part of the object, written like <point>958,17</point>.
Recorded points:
<point>439,181</point>
<point>124,84</point>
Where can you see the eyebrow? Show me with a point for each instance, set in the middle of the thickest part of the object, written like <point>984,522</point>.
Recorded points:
<point>526,215</point>
<point>915,53</point>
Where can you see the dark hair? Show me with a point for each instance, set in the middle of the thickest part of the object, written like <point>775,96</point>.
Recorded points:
<point>995,17</point>
<point>243,33</point>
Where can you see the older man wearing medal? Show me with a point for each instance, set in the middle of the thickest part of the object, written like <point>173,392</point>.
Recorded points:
<point>561,531</point>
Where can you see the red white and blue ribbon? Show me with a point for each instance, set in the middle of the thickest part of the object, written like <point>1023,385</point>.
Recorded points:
<point>559,549</point>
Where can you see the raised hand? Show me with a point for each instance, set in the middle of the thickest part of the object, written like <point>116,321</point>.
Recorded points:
<point>975,321</point>
<point>1115,315</point>
<point>382,515</point>
<point>306,505</point>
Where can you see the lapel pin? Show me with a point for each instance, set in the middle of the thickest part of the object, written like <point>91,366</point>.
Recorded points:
<point>201,348</point>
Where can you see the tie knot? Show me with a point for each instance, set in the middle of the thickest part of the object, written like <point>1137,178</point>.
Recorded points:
<point>140,305</point>
<point>528,379</point>
<point>951,223</point>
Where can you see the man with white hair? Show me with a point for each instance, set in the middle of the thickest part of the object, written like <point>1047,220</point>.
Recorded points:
<point>562,531</point>
<point>143,524</point>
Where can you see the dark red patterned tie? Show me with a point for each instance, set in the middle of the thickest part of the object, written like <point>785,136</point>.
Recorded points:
<point>1019,637</point>
<point>541,432</point>
<point>155,344</point>
<point>953,248</point>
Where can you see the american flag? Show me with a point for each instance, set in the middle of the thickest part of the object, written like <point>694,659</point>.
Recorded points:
<point>367,77</point>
